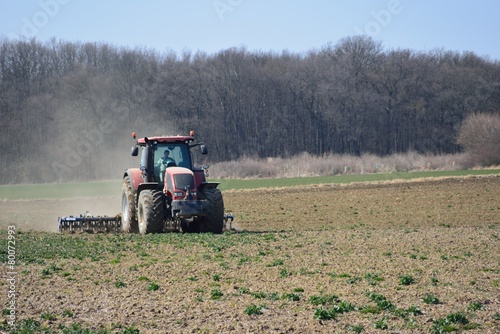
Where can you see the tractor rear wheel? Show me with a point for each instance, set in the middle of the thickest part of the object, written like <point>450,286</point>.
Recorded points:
<point>150,211</point>
<point>129,219</point>
<point>214,221</point>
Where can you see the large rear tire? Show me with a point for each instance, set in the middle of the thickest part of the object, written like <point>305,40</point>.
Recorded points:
<point>129,219</point>
<point>150,211</point>
<point>214,221</point>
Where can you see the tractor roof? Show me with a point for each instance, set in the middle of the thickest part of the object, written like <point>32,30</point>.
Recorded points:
<point>166,139</point>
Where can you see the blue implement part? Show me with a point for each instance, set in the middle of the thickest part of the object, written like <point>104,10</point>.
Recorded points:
<point>89,224</point>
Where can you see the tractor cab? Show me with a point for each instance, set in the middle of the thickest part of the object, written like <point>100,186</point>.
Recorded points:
<point>160,153</point>
<point>170,155</point>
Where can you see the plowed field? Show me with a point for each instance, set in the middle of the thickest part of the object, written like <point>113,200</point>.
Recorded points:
<point>408,257</point>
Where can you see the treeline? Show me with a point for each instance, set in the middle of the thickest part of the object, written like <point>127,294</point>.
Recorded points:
<point>67,108</point>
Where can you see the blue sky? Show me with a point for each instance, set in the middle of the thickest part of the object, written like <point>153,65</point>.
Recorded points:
<point>294,25</point>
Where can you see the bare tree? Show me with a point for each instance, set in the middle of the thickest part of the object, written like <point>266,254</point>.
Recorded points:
<point>351,97</point>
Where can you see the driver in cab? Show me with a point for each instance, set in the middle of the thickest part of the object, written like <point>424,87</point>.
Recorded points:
<point>163,163</point>
<point>166,161</point>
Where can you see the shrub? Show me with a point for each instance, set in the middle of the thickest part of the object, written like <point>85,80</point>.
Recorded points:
<point>305,164</point>
<point>479,135</point>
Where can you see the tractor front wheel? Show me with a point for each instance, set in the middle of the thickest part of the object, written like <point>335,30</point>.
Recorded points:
<point>129,219</point>
<point>150,211</point>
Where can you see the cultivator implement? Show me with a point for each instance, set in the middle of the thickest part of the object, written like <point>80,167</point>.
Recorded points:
<point>86,223</point>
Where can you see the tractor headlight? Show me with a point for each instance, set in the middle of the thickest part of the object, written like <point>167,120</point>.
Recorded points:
<point>178,194</point>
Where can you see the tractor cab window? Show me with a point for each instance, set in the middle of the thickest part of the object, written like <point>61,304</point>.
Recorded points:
<point>170,155</point>
<point>176,153</point>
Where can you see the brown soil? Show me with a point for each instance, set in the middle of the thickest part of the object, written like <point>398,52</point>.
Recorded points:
<point>318,240</point>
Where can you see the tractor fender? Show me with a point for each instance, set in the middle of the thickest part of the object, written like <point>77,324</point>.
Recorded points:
<point>135,175</point>
<point>145,186</point>
<point>199,176</point>
<point>138,181</point>
<point>208,185</point>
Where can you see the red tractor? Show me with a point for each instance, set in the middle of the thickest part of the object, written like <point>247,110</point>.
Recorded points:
<point>167,193</point>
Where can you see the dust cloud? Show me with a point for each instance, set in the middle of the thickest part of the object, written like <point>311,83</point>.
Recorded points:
<point>42,214</point>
